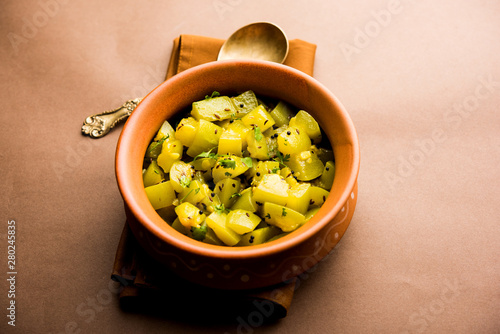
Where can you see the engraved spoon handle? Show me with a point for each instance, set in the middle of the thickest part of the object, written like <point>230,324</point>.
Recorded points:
<point>99,125</point>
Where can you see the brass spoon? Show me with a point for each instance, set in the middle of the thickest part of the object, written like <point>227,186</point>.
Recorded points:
<point>260,41</point>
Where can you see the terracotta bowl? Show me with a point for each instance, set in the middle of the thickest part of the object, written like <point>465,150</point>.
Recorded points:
<point>239,267</point>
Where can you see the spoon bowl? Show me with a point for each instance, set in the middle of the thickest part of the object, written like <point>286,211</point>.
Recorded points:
<point>258,41</point>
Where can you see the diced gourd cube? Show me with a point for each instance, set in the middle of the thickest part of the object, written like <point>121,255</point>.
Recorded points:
<point>288,175</point>
<point>293,140</point>
<point>206,138</point>
<point>189,215</point>
<point>257,144</point>
<point>179,227</point>
<point>308,124</point>
<point>217,222</point>
<point>211,238</point>
<point>226,190</point>
<point>272,188</point>
<point>204,165</point>
<point>245,102</point>
<point>186,130</point>
<point>230,167</point>
<point>167,213</point>
<point>282,114</point>
<point>258,236</point>
<point>245,201</point>
<point>280,216</point>
<point>259,117</point>
<point>324,154</point>
<point>153,175</point>
<point>306,165</point>
<point>230,143</point>
<point>318,196</point>
<point>166,132</point>
<point>153,150</point>
<point>160,195</point>
<point>325,181</point>
<point>298,197</point>
<point>310,213</point>
<point>265,167</point>
<point>213,109</point>
<point>242,221</point>
<point>171,151</point>
<point>237,126</point>
<point>181,175</point>
<point>194,193</point>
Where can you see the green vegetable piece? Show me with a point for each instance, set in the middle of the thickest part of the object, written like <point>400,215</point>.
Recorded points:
<point>325,181</point>
<point>282,114</point>
<point>166,132</point>
<point>229,167</point>
<point>213,109</point>
<point>245,102</point>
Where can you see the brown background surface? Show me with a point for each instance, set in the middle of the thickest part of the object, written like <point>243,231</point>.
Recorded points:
<point>421,80</point>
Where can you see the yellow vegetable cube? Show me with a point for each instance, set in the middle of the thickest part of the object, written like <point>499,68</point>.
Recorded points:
<point>257,145</point>
<point>259,117</point>
<point>325,181</point>
<point>166,132</point>
<point>242,221</point>
<point>213,109</point>
<point>245,102</point>
<point>160,195</point>
<point>306,165</point>
<point>272,188</point>
<point>307,123</point>
<point>298,197</point>
<point>293,140</point>
<point>318,196</point>
<point>153,175</point>
<point>186,130</point>
<point>206,138</point>
<point>171,151</point>
<point>230,143</point>
<point>230,167</point>
<point>258,236</point>
<point>226,190</point>
<point>181,175</point>
<point>217,222</point>
<point>280,216</point>
<point>245,201</point>
<point>189,215</point>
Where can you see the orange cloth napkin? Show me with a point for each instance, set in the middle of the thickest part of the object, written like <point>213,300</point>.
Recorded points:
<point>148,286</point>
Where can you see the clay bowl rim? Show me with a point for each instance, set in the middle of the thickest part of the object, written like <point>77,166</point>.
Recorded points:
<point>150,219</point>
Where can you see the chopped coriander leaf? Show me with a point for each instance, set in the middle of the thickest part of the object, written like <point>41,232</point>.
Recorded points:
<point>283,213</point>
<point>247,161</point>
<point>228,174</point>
<point>214,94</point>
<point>220,209</point>
<point>199,233</point>
<point>228,163</point>
<point>185,181</point>
<point>235,195</point>
<point>275,170</point>
<point>257,133</point>
<point>208,154</point>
